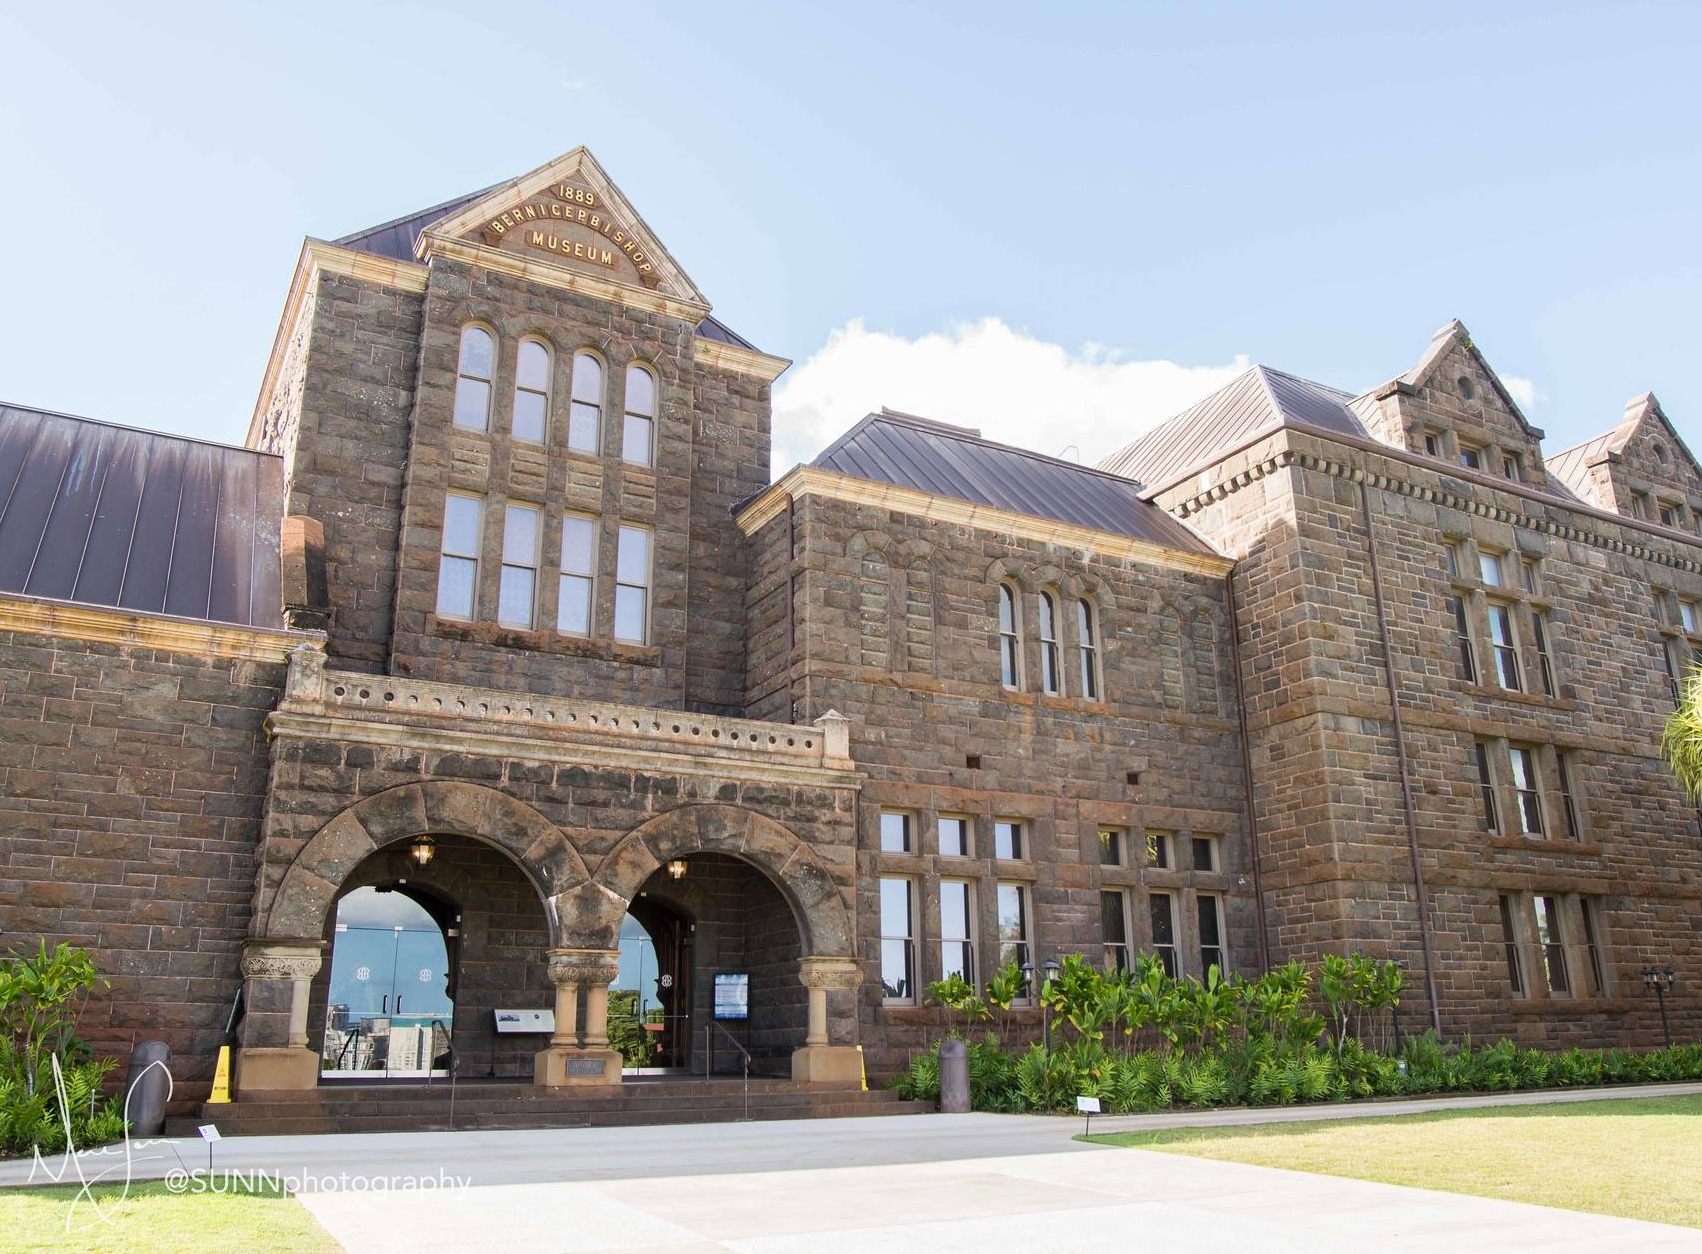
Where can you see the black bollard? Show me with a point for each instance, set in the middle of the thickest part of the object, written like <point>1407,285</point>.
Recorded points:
<point>954,1076</point>
<point>145,1088</point>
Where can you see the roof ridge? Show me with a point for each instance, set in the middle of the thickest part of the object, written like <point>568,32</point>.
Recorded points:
<point>417,213</point>
<point>121,426</point>
<point>971,436</point>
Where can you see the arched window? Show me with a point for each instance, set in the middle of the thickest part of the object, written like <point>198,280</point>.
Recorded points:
<point>473,379</point>
<point>638,433</point>
<point>1010,639</point>
<point>532,392</point>
<point>1087,643</point>
<point>1051,680</point>
<point>585,415</point>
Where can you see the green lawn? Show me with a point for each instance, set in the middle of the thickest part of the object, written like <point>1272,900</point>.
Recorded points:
<point>154,1221</point>
<point>1638,1158</point>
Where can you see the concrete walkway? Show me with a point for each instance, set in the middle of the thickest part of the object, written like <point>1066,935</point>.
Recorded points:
<point>937,1183</point>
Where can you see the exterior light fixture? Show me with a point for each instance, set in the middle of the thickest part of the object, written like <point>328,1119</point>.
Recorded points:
<point>677,868</point>
<point>1659,981</point>
<point>423,849</point>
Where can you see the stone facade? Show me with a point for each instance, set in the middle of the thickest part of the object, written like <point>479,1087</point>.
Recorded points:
<point>821,658</point>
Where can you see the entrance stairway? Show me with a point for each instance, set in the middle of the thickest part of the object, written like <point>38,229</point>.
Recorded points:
<point>496,1104</point>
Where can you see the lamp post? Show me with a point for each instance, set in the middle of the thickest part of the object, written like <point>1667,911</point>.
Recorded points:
<point>1659,981</point>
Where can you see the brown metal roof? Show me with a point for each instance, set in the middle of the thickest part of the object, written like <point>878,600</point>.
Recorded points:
<point>114,516</point>
<point>1256,402</point>
<point>955,462</point>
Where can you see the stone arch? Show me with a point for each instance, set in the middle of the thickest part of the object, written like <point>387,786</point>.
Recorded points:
<point>593,911</point>
<point>436,807</point>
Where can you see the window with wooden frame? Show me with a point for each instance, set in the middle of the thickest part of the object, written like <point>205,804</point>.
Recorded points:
<point>474,367</point>
<point>1010,638</point>
<point>1051,675</point>
<point>458,560</point>
<point>532,371</point>
<point>585,411</point>
<point>1087,648</point>
<point>638,429</point>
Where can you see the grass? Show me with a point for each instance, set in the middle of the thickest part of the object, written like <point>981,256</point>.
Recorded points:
<point>152,1220</point>
<point>1636,1158</point>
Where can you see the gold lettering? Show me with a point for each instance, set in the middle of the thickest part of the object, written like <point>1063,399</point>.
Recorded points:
<point>537,240</point>
<point>497,228</point>
<point>596,223</point>
<point>608,258</point>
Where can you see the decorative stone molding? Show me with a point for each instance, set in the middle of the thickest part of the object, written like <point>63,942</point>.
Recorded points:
<point>95,624</point>
<point>584,966</point>
<point>831,974</point>
<point>306,677</point>
<point>281,960</point>
<point>836,737</point>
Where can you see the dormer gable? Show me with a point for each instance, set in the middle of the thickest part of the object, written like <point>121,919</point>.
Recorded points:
<point>1641,469</point>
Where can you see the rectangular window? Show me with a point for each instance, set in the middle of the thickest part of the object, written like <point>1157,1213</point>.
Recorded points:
<point>458,571</point>
<point>578,582</point>
<point>1110,847</point>
<point>1486,785</point>
<point>1593,947</point>
<point>1528,785</point>
<point>957,929</point>
<point>1640,505</point>
<point>898,960</point>
<point>1013,926</point>
<point>632,585</point>
<point>1568,801</point>
<point>1451,560</point>
<point>1471,457</point>
<point>1163,909</point>
<point>1433,444</point>
<point>1529,568</point>
<point>1211,936</point>
<point>1671,515</point>
<point>1114,928</point>
<point>1539,638</point>
<point>895,832</point>
<point>1205,853</point>
<point>1672,667</point>
<point>1688,617</point>
<point>1552,943</point>
<point>1158,850</point>
<point>954,836</point>
<point>1510,467</point>
<point>517,596</point>
<point>1510,943</point>
<point>1489,567</point>
<point>1463,631</point>
<point>1007,839</point>
<point>1502,643</point>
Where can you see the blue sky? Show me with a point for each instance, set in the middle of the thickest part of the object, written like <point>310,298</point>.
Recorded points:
<point>1058,223</point>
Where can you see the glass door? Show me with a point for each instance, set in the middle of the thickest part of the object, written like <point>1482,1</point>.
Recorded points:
<point>388,1013</point>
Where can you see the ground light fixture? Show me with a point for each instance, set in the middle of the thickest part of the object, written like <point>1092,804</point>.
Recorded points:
<point>1659,981</point>
<point>424,849</point>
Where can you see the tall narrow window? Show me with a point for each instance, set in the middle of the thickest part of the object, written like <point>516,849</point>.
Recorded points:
<point>458,569</point>
<point>1007,839</point>
<point>1568,800</point>
<point>1110,846</point>
<point>1530,572</point>
<point>1114,928</point>
<point>532,392</point>
<point>1593,947</point>
<point>898,958</point>
<point>895,832</point>
<point>1013,926</point>
<point>1486,785</point>
<point>1451,560</point>
<point>1010,639</point>
<point>517,595</point>
<point>1539,638</point>
<point>954,836</point>
<point>1489,566</point>
<point>1506,651</point>
<point>1463,631</point>
<point>1158,850</point>
<point>1087,641</point>
<point>1433,443</point>
<point>1527,784</point>
<point>1211,935</point>
<point>585,414</point>
<point>1205,853</point>
<point>638,432</point>
<point>578,575</point>
<point>1552,943</point>
<point>1688,618</point>
<point>473,379</point>
<point>1050,679</point>
<point>1510,943</point>
<point>1163,909</point>
<point>957,929</point>
<point>632,585</point>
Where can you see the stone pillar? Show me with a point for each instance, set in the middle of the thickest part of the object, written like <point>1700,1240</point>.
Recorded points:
<point>819,1062</point>
<point>275,1053</point>
<point>566,1062</point>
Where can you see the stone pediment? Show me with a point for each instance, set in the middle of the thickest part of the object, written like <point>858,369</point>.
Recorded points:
<point>568,215</point>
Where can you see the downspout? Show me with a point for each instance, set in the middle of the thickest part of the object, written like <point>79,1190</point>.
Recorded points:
<point>1401,754</point>
<point>1247,770</point>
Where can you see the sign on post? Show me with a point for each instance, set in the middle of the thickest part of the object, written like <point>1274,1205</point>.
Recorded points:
<point>1087,1107</point>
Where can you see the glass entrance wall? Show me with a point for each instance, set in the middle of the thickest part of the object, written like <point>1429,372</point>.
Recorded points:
<point>389,1011</point>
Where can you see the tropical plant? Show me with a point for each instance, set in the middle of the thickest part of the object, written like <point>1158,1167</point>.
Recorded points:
<point>958,994</point>
<point>1681,737</point>
<point>41,995</point>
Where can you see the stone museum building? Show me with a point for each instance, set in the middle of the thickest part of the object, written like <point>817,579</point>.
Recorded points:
<point>491,672</point>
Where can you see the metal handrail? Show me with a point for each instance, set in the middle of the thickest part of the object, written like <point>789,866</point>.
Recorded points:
<point>709,1029</point>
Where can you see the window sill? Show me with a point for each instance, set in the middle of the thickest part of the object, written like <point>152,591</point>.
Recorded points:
<point>1586,847</point>
<point>1495,692</point>
<point>543,642</point>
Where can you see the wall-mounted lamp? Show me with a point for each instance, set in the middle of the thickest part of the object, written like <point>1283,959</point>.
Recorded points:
<point>677,868</point>
<point>423,849</point>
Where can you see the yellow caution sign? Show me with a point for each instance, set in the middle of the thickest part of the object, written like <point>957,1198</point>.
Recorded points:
<point>221,1077</point>
<point>862,1069</point>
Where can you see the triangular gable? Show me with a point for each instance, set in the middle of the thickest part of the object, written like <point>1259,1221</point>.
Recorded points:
<point>569,215</point>
<point>1644,427</point>
<point>1454,343</point>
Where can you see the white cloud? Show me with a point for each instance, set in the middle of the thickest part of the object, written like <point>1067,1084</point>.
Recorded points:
<point>1524,391</point>
<point>1011,386</point>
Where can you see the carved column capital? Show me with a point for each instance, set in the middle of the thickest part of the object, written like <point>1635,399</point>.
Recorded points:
<point>305,679</point>
<point>281,960</point>
<point>584,966</point>
<point>830,973</point>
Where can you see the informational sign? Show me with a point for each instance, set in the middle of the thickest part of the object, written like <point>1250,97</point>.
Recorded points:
<point>733,996</point>
<point>1087,1105</point>
<point>525,1021</point>
<point>209,1132</point>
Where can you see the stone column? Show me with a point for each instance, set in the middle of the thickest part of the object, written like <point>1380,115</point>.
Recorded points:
<point>275,1053</point>
<point>566,1061</point>
<point>818,1061</point>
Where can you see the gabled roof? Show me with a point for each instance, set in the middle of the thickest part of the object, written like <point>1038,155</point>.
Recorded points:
<point>955,462</point>
<point>1573,465</point>
<point>399,240</point>
<point>110,515</point>
<point>1253,404</point>
<point>1452,335</point>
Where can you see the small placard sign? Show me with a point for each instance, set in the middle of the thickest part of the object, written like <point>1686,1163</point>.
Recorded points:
<point>733,996</point>
<point>525,1021</point>
<point>1087,1105</point>
<point>209,1132</point>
